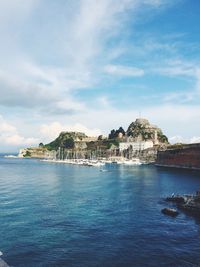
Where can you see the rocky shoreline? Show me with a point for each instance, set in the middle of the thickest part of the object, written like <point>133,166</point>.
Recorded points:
<point>187,203</point>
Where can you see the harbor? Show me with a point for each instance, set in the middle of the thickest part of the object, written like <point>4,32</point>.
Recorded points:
<point>98,162</point>
<point>99,125</point>
<point>139,143</point>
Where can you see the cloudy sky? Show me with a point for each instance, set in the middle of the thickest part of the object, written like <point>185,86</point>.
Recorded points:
<point>94,65</point>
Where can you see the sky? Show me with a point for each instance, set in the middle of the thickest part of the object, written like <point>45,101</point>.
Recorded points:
<point>95,65</point>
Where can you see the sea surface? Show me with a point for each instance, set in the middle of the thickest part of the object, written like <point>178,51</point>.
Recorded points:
<point>78,216</point>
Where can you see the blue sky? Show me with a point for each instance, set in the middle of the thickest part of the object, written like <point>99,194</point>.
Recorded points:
<point>92,66</point>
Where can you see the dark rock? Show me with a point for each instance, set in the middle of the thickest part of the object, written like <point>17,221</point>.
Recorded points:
<point>176,199</point>
<point>170,212</point>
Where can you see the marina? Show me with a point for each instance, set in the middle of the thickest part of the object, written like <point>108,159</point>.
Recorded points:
<point>95,163</point>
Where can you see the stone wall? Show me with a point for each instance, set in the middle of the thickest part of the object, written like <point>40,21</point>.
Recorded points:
<point>185,156</point>
<point>148,155</point>
<point>36,152</point>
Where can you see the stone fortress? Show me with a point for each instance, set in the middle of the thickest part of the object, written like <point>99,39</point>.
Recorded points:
<point>140,136</point>
<point>141,140</point>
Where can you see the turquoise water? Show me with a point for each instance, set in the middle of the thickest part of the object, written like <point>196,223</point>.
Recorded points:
<point>64,215</point>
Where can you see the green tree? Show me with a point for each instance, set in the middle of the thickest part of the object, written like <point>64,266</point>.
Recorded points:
<point>27,154</point>
<point>68,143</point>
<point>112,134</point>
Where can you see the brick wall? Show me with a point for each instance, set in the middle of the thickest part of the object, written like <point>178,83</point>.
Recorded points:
<point>185,157</point>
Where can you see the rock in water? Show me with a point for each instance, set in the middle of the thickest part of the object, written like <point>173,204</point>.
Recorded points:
<point>170,212</point>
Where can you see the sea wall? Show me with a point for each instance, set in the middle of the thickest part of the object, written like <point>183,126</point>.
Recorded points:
<point>148,155</point>
<point>182,156</point>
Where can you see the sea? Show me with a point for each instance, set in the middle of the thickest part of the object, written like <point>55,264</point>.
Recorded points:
<point>78,216</point>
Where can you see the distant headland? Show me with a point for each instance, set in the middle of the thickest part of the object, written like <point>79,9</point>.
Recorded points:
<point>142,140</point>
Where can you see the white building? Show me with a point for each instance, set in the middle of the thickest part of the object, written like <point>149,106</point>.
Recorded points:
<point>136,146</point>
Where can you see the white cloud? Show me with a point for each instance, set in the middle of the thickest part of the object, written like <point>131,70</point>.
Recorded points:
<point>9,136</point>
<point>177,139</point>
<point>78,38</point>
<point>186,70</point>
<point>51,131</point>
<point>44,62</point>
<point>181,139</point>
<point>197,75</point>
<point>17,140</point>
<point>16,8</point>
<point>195,139</point>
<point>5,127</point>
<point>177,67</point>
<point>104,102</point>
<point>25,82</point>
<point>120,70</point>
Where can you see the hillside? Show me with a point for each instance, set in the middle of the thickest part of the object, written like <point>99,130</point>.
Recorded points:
<point>66,140</point>
<point>139,130</point>
<point>71,144</point>
<point>142,130</point>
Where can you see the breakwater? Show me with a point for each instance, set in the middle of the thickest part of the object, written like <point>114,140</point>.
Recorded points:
<point>181,156</point>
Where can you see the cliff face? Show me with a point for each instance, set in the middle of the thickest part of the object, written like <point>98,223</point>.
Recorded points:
<point>186,156</point>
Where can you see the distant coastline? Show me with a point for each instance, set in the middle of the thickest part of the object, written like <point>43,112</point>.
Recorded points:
<point>3,154</point>
<point>141,140</point>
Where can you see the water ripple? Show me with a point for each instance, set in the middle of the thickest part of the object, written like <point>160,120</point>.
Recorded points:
<point>63,215</point>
